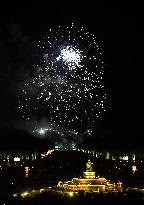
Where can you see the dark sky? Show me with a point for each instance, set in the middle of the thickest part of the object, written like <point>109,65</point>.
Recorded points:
<point>121,32</point>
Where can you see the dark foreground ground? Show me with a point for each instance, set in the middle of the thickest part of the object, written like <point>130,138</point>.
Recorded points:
<point>50,198</point>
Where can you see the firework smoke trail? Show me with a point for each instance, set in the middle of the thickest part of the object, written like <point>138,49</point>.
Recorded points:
<point>67,86</point>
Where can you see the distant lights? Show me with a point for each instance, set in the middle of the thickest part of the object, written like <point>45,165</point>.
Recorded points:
<point>125,158</point>
<point>16,159</point>
<point>71,194</point>
<point>27,169</point>
<point>15,195</point>
<point>24,194</point>
<point>42,190</point>
<point>134,158</point>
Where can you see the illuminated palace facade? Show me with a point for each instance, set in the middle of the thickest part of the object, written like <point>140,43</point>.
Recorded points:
<point>89,182</point>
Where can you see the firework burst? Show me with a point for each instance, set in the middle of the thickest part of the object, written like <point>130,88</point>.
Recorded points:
<point>67,85</point>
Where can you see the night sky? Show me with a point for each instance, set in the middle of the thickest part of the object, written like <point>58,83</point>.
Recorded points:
<point>121,33</point>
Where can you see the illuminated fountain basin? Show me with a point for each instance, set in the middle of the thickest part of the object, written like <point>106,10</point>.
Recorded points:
<point>90,183</point>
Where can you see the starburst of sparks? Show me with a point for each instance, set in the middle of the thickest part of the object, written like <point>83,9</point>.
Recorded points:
<point>67,85</point>
<point>70,56</point>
